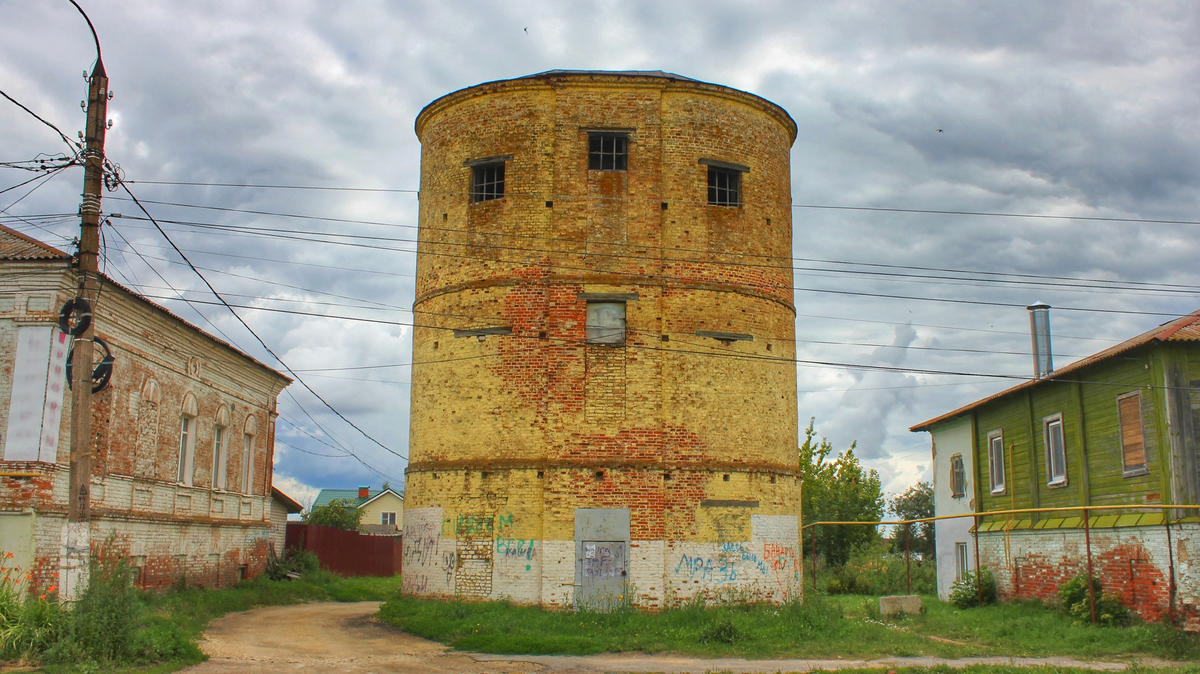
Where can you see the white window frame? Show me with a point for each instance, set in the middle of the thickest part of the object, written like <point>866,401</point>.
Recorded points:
<point>247,463</point>
<point>1051,425</point>
<point>996,473</point>
<point>962,560</point>
<point>953,493</point>
<point>220,457</point>
<point>385,516</point>
<point>187,448</point>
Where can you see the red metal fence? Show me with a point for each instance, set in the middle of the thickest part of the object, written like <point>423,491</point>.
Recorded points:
<point>347,553</point>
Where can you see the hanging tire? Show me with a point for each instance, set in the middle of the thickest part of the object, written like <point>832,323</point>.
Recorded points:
<point>78,309</point>
<point>102,373</point>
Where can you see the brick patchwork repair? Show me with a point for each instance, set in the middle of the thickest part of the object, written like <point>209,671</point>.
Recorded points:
<point>1132,562</point>
<point>514,434</point>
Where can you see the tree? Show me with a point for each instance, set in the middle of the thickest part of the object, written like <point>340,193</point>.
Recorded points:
<point>339,513</point>
<point>913,504</point>
<point>837,491</point>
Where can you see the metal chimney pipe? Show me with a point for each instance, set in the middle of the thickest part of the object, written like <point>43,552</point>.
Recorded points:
<point>1039,329</point>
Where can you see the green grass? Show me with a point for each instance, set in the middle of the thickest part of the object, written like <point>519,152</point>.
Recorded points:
<point>1029,629</point>
<point>825,627</point>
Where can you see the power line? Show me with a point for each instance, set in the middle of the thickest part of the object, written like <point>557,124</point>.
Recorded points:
<point>74,146</point>
<point>767,286</point>
<point>251,330</point>
<point>230,341</point>
<point>539,195</point>
<point>1074,284</point>
<point>1071,280</point>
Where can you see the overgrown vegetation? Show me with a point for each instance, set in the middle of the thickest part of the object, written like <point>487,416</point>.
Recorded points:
<point>837,490</point>
<point>914,504</point>
<point>876,569</point>
<point>29,625</point>
<point>967,593</point>
<point>293,563</point>
<point>116,626</point>
<point>339,513</point>
<point>1075,601</point>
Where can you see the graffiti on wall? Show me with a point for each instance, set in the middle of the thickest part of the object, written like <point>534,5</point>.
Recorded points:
<point>460,554</point>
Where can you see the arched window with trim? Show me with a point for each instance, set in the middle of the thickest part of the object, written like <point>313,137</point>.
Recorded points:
<point>220,449</point>
<point>248,455</point>
<point>187,438</point>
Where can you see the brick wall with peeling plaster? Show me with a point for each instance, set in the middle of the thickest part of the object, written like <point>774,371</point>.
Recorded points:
<point>512,435</point>
<point>170,532</point>
<point>1132,562</point>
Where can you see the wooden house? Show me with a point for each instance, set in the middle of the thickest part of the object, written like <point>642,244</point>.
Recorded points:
<point>1116,429</point>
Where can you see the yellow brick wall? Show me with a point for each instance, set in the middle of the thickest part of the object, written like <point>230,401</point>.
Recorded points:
<point>511,434</point>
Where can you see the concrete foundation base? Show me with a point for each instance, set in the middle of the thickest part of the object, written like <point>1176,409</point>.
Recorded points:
<point>909,604</point>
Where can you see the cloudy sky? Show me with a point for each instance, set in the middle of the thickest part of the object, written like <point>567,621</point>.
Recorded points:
<point>1084,111</point>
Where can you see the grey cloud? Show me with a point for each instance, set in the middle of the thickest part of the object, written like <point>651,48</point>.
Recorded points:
<point>1054,107</point>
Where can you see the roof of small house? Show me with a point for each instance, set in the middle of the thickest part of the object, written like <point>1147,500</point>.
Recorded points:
<point>291,504</point>
<point>351,495</point>
<point>1183,329</point>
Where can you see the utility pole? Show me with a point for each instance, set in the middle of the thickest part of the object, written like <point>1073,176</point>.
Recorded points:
<point>76,544</point>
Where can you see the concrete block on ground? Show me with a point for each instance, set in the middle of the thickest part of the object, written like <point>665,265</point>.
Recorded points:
<point>909,604</point>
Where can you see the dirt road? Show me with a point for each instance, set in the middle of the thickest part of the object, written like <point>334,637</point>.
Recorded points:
<point>345,638</point>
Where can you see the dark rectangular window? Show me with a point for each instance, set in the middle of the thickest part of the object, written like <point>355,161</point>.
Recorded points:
<point>724,187</point>
<point>608,152</point>
<point>487,182</point>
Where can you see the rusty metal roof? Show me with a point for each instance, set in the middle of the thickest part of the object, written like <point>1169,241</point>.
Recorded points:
<point>17,246</point>
<point>1182,329</point>
<point>289,503</point>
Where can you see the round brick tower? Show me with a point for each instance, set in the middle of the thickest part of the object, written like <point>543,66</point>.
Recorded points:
<point>603,392</point>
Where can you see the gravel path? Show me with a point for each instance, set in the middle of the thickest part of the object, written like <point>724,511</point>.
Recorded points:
<point>331,637</point>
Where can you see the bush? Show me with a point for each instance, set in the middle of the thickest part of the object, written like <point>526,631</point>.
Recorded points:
<point>720,631</point>
<point>339,513</point>
<point>1074,600</point>
<point>874,570</point>
<point>293,560</point>
<point>964,593</point>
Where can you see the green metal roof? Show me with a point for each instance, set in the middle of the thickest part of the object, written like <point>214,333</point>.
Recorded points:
<point>350,495</point>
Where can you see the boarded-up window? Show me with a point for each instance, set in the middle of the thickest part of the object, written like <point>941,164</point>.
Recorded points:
<point>996,461</point>
<point>1056,453</point>
<point>958,477</point>
<point>1133,442</point>
<point>606,322</point>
